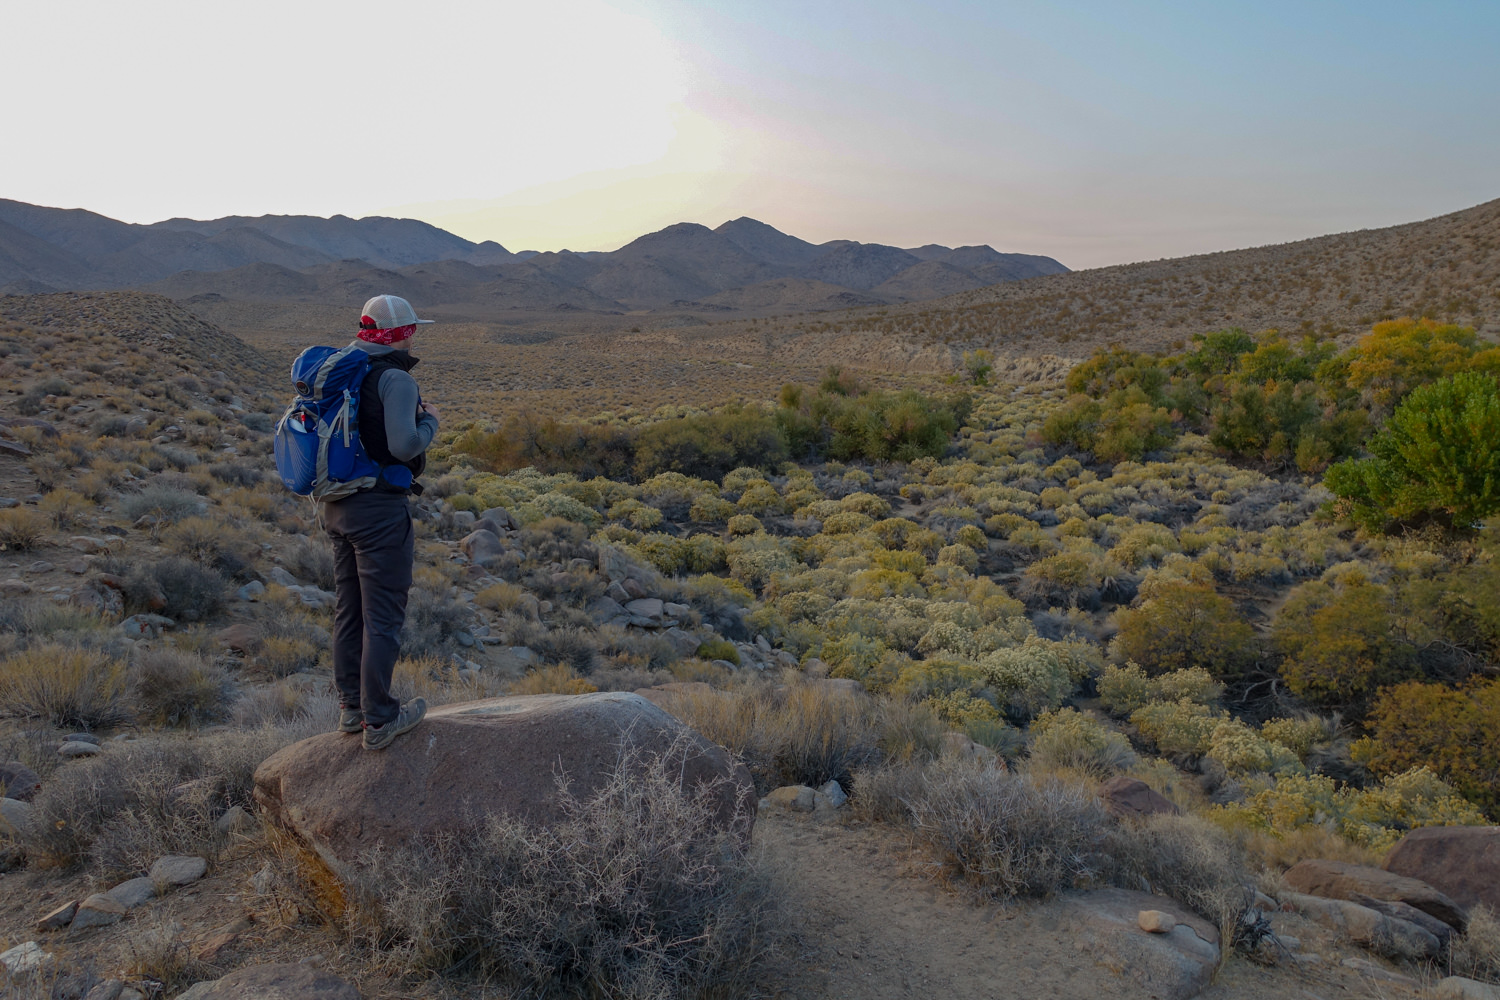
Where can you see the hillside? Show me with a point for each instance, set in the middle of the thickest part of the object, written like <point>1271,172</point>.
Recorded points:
<point>342,260</point>
<point>1446,268</point>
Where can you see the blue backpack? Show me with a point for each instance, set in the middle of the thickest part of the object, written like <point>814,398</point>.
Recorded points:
<point>317,447</point>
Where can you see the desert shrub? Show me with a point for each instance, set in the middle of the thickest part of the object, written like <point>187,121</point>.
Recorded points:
<point>1476,953</point>
<point>1008,835</point>
<point>500,597</point>
<point>634,893</point>
<point>310,558</point>
<point>68,687</point>
<point>711,508</point>
<point>1340,642</point>
<point>1037,675</point>
<point>718,649</point>
<point>1070,739</point>
<point>176,587</point>
<point>1242,750</point>
<point>1185,858</point>
<point>172,687</point>
<point>123,809</point>
<point>1078,579</point>
<point>878,426</point>
<point>165,504</point>
<point>801,734</point>
<point>432,621</point>
<point>710,445</point>
<point>1122,690</point>
<point>1182,726</point>
<point>284,655</point>
<point>559,678</point>
<point>35,619</point>
<point>212,542</point>
<point>575,648</point>
<point>1182,626</point>
<point>744,524</point>
<point>1297,735</point>
<point>62,507</point>
<point>1453,731</point>
<point>21,529</point>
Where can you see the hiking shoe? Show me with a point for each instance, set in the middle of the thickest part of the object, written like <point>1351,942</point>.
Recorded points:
<point>350,720</point>
<point>380,737</point>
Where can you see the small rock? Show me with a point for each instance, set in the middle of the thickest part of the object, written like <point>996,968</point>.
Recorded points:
<point>1374,971</point>
<point>15,817</point>
<point>251,591</point>
<point>58,918</point>
<point>38,568</point>
<point>133,892</point>
<point>145,626</point>
<point>617,593</point>
<point>634,589</point>
<point>299,980</point>
<point>835,793</point>
<point>481,546</point>
<point>110,989</point>
<point>235,820</point>
<point>279,575</point>
<point>178,869</point>
<point>1155,921</point>
<point>464,638</point>
<point>676,610</point>
<point>88,545</point>
<point>98,910</point>
<point>23,958</point>
<point>1134,799</point>
<point>794,798</point>
<point>241,638</point>
<point>649,608</point>
<point>75,748</point>
<point>14,587</point>
<point>82,738</point>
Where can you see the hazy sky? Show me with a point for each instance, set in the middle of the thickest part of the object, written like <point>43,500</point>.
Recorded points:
<point>1096,132</point>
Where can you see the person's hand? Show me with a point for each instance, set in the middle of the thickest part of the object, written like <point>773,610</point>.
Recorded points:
<point>431,411</point>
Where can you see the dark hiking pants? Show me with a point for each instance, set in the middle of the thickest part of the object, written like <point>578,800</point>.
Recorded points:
<point>372,558</point>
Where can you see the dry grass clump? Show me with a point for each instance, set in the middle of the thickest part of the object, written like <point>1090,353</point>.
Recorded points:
<point>559,678</point>
<point>635,893</point>
<point>64,685</point>
<point>162,954</point>
<point>21,529</point>
<point>174,586</point>
<point>1476,953</point>
<point>433,620</point>
<point>175,687</point>
<point>120,811</point>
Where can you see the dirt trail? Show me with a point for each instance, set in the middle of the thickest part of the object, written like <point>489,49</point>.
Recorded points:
<point>877,930</point>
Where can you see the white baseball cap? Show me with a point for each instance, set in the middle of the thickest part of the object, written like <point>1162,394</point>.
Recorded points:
<point>386,312</point>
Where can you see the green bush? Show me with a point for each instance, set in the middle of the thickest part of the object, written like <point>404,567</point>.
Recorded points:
<point>718,649</point>
<point>1070,739</point>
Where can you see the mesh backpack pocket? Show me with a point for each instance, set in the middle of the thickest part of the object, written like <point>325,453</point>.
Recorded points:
<point>317,448</point>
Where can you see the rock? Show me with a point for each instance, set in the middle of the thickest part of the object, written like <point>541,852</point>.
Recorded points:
<point>614,566</point>
<point>961,746</point>
<point>1459,988</point>
<point>24,958</point>
<point>1174,965</point>
<point>13,587</point>
<point>1155,921</point>
<point>88,545</point>
<point>1402,911</point>
<point>279,981</point>
<point>676,610</point>
<point>240,638</point>
<point>76,748</point>
<point>38,568</point>
<point>251,591</point>
<point>481,546</point>
<point>1383,935</point>
<point>649,608</point>
<point>835,793</point>
<point>58,918</point>
<point>1340,880</point>
<point>98,910</point>
<point>791,798</point>
<point>685,644</point>
<point>133,892</point>
<point>145,626</point>
<point>514,659</point>
<point>15,817</point>
<point>312,597</point>
<point>479,758</point>
<point>178,869</point>
<point>1373,971</point>
<point>82,738</point>
<point>617,593</point>
<point>110,989</point>
<point>1461,861</point>
<point>763,644</point>
<point>635,589</point>
<point>463,518</point>
<point>604,610</point>
<point>1132,798</point>
<point>280,575</point>
<point>500,517</point>
<point>235,820</point>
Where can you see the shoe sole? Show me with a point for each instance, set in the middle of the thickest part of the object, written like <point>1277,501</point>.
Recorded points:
<point>386,740</point>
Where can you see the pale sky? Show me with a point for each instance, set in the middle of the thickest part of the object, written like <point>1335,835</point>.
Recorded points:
<point>1095,132</point>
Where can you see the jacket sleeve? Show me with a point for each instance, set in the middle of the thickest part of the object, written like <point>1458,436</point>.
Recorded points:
<point>407,432</point>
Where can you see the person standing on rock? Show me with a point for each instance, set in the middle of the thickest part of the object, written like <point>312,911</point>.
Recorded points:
<point>371,530</point>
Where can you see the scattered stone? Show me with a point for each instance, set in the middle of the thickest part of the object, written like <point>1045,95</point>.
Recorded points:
<point>251,591</point>
<point>77,748</point>
<point>617,593</point>
<point>38,568</point>
<point>133,892</point>
<point>178,869</point>
<point>24,958</point>
<point>1460,861</point>
<point>791,798</point>
<point>18,781</point>
<point>606,609</point>
<point>1402,911</point>
<point>1155,922</point>
<point>1459,988</point>
<point>1387,936</point>
<point>82,738</point>
<point>77,567</point>
<point>513,658</point>
<point>280,575</point>
<point>481,546</point>
<point>1373,971</point>
<point>58,918</point>
<point>501,518</point>
<point>110,989</point>
<point>279,981</point>
<point>463,518</point>
<point>1132,798</point>
<point>1175,965</point>
<point>1340,880</point>
<point>8,502</point>
<point>89,545</point>
<point>313,597</point>
<point>682,642</point>
<point>835,793</point>
<point>676,610</point>
<point>222,938</point>
<point>635,589</point>
<point>15,817</point>
<point>145,626</point>
<point>649,608</point>
<point>240,638</point>
<point>14,587</point>
<point>235,820</point>
<point>480,758</point>
<point>98,910</point>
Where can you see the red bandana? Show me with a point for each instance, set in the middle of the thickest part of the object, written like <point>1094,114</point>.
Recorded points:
<point>386,337</point>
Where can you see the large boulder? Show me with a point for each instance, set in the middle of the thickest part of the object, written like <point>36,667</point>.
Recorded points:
<point>278,981</point>
<point>1173,965</point>
<point>1389,936</point>
<point>1461,861</point>
<point>1340,880</point>
<point>475,759</point>
<point>1132,798</point>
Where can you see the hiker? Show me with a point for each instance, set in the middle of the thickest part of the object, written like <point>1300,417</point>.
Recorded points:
<point>372,532</point>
